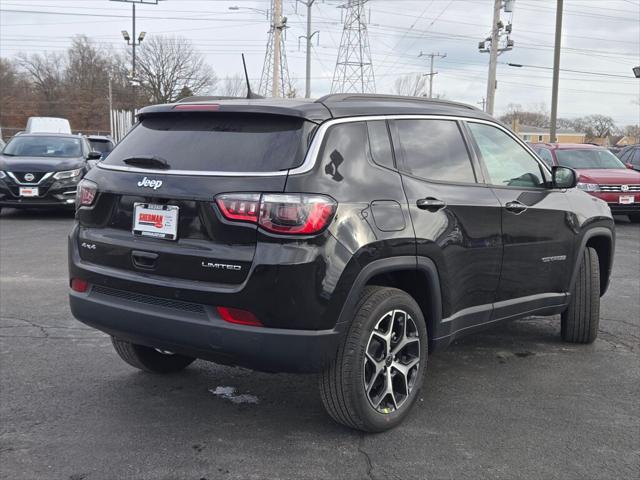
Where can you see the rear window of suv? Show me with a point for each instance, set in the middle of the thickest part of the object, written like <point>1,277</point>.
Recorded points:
<point>217,142</point>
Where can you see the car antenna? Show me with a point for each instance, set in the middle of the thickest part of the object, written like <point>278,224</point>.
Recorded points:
<point>250,94</point>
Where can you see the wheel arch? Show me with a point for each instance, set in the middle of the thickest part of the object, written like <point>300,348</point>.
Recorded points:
<point>602,241</point>
<point>418,276</point>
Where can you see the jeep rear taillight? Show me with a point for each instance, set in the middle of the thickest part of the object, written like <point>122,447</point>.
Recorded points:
<point>86,193</point>
<point>239,206</point>
<point>289,214</point>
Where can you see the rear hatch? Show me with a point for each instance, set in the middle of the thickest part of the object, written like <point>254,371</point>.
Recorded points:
<point>155,210</point>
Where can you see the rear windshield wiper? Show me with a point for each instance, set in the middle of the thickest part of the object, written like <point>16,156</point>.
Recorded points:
<point>150,162</point>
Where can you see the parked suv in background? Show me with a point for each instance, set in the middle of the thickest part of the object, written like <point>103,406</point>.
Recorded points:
<point>102,144</point>
<point>43,169</point>
<point>600,173</point>
<point>630,156</point>
<point>351,236</point>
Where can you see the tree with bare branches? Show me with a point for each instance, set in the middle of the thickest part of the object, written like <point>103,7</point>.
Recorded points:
<point>46,72</point>
<point>167,64</point>
<point>234,86</point>
<point>412,85</point>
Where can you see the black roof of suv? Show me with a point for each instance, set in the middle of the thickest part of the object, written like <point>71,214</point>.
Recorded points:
<point>330,106</point>
<point>350,236</point>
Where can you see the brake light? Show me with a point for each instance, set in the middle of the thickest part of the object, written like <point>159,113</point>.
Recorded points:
<point>86,193</point>
<point>79,285</point>
<point>186,107</point>
<point>239,206</point>
<point>241,317</point>
<point>292,214</point>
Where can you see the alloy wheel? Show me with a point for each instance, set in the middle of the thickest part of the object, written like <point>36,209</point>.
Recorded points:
<point>391,361</point>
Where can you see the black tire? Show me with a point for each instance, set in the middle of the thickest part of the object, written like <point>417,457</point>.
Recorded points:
<point>343,383</point>
<point>580,321</point>
<point>634,217</point>
<point>149,359</point>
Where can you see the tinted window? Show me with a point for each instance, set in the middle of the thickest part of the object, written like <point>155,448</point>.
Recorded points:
<point>588,158</point>
<point>344,142</point>
<point>379,143</point>
<point>636,157</point>
<point>545,155</point>
<point>217,142</point>
<point>42,146</point>
<point>102,146</point>
<point>507,162</point>
<point>435,150</point>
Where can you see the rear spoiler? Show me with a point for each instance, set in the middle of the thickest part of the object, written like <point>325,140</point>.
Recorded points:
<point>316,113</point>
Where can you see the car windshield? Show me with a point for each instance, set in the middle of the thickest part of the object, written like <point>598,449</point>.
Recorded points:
<point>43,146</point>
<point>588,158</point>
<point>102,146</point>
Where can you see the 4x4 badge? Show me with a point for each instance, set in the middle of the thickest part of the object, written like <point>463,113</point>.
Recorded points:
<point>147,182</point>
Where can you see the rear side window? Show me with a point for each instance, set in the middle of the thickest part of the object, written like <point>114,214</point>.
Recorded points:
<point>435,150</point>
<point>217,142</point>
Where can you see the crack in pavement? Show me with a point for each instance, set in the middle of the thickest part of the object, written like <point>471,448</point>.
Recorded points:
<point>366,457</point>
<point>44,330</point>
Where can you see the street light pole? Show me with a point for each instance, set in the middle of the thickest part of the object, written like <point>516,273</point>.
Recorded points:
<point>308,37</point>
<point>133,59</point>
<point>556,73</point>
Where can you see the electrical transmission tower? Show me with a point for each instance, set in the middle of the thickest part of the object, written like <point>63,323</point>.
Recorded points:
<point>275,80</point>
<point>354,69</point>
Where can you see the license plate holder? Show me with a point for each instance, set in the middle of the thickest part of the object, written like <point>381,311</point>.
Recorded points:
<point>626,199</point>
<point>29,191</point>
<point>153,220</point>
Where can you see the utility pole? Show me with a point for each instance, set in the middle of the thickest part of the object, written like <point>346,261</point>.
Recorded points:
<point>431,72</point>
<point>277,52</point>
<point>493,57</point>
<point>110,107</point>
<point>308,37</point>
<point>495,49</point>
<point>556,73</point>
<point>483,102</point>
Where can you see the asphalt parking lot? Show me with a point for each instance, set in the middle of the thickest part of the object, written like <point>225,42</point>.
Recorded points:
<point>512,402</point>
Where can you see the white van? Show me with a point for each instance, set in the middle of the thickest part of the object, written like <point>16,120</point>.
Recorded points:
<point>48,125</point>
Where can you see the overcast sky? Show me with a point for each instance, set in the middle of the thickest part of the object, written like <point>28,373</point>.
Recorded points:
<point>600,36</point>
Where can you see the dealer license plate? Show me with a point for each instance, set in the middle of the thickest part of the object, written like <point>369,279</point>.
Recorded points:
<point>160,221</point>
<point>626,199</point>
<point>29,192</point>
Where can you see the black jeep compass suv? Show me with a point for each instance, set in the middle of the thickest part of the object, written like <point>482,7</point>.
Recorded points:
<point>350,236</point>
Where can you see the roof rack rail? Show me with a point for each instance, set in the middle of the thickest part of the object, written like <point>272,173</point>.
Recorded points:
<point>343,97</point>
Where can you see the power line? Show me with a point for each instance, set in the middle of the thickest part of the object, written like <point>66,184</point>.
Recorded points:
<point>519,65</point>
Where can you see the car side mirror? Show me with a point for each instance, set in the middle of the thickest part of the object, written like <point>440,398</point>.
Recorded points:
<point>93,155</point>
<point>564,177</point>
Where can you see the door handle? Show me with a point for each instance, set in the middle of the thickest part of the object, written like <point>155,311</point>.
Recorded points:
<point>431,204</point>
<point>516,207</point>
<point>144,260</point>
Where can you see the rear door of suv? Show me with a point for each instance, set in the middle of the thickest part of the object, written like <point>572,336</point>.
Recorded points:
<point>456,218</point>
<point>156,213</point>
<point>537,223</point>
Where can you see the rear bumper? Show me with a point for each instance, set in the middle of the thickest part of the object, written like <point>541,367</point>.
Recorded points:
<point>196,330</point>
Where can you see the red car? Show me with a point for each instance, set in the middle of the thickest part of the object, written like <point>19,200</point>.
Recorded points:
<point>600,173</point>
